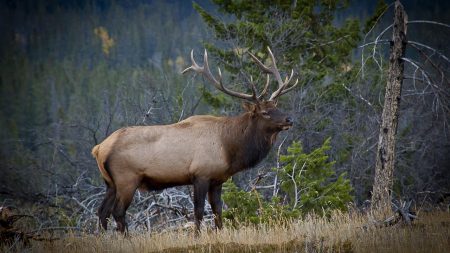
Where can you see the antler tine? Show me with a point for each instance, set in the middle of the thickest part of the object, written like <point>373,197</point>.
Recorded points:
<point>281,85</point>
<point>282,88</point>
<point>274,70</point>
<point>261,65</point>
<point>208,74</point>
<point>264,91</point>
<point>290,88</point>
<point>254,94</point>
<point>194,66</point>
<point>288,80</point>
<point>205,71</point>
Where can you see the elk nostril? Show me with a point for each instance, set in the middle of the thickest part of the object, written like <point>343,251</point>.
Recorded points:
<point>289,120</point>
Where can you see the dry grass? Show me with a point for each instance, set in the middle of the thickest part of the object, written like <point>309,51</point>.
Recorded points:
<point>341,233</point>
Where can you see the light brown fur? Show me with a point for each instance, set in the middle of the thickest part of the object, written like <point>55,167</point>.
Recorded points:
<point>170,153</point>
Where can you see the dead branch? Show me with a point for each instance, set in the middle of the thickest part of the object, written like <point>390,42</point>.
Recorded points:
<point>402,214</point>
<point>11,234</point>
<point>365,36</point>
<point>428,22</point>
<point>429,48</point>
<point>275,181</point>
<point>375,43</point>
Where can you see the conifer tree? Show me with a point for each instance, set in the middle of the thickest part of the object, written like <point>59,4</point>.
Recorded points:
<point>301,34</point>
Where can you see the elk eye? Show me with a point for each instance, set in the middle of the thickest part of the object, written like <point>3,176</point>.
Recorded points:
<point>265,114</point>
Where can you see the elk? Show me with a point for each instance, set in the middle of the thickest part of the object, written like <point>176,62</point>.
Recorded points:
<point>202,150</point>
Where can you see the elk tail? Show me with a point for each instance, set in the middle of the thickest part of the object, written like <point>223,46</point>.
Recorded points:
<point>103,167</point>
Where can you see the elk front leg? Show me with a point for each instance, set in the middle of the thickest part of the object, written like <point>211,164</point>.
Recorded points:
<point>214,197</point>
<point>200,190</point>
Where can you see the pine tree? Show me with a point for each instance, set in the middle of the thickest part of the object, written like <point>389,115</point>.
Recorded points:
<point>301,33</point>
<point>310,181</point>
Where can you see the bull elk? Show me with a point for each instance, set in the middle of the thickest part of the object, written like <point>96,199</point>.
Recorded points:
<point>202,150</point>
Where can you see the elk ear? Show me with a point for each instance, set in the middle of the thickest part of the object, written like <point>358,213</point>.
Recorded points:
<point>248,106</point>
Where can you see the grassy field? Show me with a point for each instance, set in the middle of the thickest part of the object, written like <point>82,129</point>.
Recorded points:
<point>340,233</point>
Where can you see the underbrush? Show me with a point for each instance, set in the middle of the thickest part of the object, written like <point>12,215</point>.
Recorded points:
<point>342,232</point>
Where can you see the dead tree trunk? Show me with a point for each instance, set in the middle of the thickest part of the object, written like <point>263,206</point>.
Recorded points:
<point>385,159</point>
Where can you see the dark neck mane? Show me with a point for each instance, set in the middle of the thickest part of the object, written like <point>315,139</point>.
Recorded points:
<point>246,143</point>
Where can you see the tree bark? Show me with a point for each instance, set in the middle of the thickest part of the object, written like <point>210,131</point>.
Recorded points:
<point>385,160</point>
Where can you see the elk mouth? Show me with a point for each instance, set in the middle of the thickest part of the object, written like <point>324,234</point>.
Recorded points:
<point>285,126</point>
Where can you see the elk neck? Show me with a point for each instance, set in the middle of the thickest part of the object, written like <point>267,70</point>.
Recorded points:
<point>246,142</point>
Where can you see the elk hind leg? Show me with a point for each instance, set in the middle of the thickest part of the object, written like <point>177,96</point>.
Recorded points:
<point>106,207</point>
<point>124,196</point>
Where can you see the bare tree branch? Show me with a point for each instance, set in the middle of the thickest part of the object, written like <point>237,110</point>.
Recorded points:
<point>428,22</point>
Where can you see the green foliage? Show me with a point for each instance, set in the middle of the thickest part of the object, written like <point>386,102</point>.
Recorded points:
<point>301,35</point>
<point>379,10</point>
<point>241,205</point>
<point>250,207</point>
<point>322,124</point>
<point>308,180</point>
<point>216,101</point>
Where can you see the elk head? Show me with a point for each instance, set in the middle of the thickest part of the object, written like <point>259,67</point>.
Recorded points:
<point>266,111</point>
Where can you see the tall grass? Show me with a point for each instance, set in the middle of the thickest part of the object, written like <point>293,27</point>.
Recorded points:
<point>340,233</point>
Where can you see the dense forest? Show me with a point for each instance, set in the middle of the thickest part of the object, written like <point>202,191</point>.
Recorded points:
<point>73,72</point>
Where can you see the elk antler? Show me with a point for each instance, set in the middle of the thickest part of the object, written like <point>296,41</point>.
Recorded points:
<point>206,72</point>
<point>282,86</point>
<point>264,91</point>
